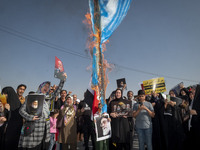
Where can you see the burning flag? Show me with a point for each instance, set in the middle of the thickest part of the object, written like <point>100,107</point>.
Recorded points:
<point>112,12</point>
<point>106,15</point>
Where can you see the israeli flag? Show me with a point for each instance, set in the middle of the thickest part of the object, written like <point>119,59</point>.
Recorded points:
<point>112,12</point>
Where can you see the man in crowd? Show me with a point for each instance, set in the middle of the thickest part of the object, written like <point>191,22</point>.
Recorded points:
<point>20,91</point>
<point>60,101</point>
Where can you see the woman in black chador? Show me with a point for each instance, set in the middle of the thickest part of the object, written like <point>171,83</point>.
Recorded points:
<point>119,124</point>
<point>14,122</point>
<point>158,122</point>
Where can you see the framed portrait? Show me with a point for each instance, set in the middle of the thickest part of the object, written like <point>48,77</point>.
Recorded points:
<point>121,82</point>
<point>102,127</point>
<point>34,104</point>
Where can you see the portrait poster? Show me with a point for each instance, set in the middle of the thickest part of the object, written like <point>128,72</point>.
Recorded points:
<point>34,104</point>
<point>121,82</point>
<point>122,108</point>
<point>156,84</point>
<point>59,69</point>
<point>102,127</point>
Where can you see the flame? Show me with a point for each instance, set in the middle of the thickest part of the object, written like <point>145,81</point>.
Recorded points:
<point>90,44</point>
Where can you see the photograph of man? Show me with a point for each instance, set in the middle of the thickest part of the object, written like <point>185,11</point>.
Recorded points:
<point>102,127</point>
<point>33,108</point>
<point>59,69</point>
<point>121,83</point>
<point>34,104</point>
<point>105,125</point>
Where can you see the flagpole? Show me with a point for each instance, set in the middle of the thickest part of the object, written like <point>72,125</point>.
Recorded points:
<point>99,51</point>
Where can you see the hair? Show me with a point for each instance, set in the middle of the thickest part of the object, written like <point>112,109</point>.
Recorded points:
<point>129,92</point>
<point>172,91</point>
<point>62,91</point>
<point>31,92</point>
<point>54,112</point>
<point>141,92</point>
<point>21,86</point>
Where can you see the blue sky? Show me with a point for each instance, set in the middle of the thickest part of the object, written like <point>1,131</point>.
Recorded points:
<point>160,37</point>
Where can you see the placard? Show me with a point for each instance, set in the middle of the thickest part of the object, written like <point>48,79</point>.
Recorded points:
<point>34,104</point>
<point>156,84</point>
<point>102,127</point>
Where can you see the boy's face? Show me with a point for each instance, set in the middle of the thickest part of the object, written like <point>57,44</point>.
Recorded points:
<point>141,97</point>
<point>20,90</point>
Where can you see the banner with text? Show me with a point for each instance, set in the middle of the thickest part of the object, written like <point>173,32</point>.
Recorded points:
<point>156,84</point>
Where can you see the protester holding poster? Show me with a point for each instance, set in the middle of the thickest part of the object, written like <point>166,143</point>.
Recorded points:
<point>119,123</point>
<point>41,126</point>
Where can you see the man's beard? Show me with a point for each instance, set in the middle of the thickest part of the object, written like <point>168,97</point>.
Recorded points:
<point>106,130</point>
<point>35,106</point>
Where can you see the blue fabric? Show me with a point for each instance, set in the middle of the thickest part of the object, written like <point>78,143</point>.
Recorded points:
<point>112,12</point>
<point>145,136</point>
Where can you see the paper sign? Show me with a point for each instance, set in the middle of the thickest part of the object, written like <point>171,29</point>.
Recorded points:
<point>156,84</point>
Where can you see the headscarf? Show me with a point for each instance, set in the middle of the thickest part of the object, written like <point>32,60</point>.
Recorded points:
<point>12,98</point>
<point>121,94</point>
<point>46,104</point>
<point>42,85</point>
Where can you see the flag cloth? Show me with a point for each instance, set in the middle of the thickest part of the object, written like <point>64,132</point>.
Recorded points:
<point>95,103</point>
<point>106,15</point>
<point>89,97</point>
<point>59,69</point>
<point>112,12</point>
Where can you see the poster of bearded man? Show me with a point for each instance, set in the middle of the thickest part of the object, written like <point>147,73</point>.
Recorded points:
<point>102,127</point>
<point>34,104</point>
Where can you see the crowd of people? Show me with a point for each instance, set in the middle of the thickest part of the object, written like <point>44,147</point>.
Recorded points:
<point>160,123</point>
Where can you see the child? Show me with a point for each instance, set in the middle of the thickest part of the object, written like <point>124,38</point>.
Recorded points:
<point>53,120</point>
<point>143,112</point>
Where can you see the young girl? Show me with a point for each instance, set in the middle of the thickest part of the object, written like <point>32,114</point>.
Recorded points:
<point>53,120</point>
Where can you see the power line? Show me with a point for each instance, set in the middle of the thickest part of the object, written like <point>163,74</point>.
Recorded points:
<point>69,51</point>
<point>38,41</point>
<point>155,74</point>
